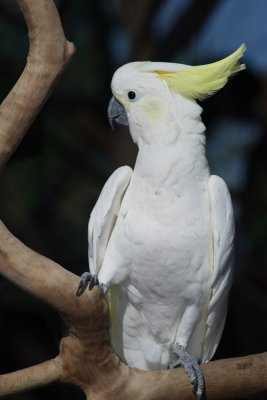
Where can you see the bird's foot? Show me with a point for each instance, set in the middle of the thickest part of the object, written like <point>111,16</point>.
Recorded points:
<point>87,279</point>
<point>192,368</point>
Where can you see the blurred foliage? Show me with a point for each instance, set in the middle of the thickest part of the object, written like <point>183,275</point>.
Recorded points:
<point>52,182</point>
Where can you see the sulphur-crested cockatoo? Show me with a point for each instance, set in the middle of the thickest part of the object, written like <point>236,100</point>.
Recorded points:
<point>161,235</point>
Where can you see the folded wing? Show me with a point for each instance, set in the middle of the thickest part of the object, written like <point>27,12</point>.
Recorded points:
<point>222,220</point>
<point>104,215</point>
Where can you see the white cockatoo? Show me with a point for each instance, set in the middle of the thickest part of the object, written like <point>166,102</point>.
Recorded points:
<point>161,235</point>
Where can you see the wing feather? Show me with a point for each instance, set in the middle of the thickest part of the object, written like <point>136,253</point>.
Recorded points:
<point>104,215</point>
<point>222,219</point>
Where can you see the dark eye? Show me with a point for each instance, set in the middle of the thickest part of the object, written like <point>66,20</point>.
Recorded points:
<point>131,95</point>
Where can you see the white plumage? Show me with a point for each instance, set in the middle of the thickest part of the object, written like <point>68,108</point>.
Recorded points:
<point>161,235</point>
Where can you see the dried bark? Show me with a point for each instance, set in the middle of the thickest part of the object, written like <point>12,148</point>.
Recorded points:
<point>49,53</point>
<point>85,357</point>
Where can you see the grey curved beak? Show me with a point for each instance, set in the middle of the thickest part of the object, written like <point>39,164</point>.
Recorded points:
<point>116,113</point>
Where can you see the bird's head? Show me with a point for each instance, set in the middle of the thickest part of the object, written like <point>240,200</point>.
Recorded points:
<point>150,96</point>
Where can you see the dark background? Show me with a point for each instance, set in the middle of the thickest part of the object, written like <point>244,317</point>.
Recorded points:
<point>50,185</point>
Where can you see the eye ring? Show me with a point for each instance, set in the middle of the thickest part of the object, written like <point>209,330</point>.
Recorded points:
<point>131,95</point>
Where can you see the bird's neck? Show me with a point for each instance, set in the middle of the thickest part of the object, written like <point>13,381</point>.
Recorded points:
<point>181,162</point>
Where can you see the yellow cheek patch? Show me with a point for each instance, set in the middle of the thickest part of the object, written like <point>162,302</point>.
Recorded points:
<point>154,108</point>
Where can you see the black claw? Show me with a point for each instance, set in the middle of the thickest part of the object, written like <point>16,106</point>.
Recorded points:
<point>80,289</point>
<point>93,282</point>
<point>86,279</point>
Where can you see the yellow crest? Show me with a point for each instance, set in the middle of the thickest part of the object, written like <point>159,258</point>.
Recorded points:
<point>202,81</point>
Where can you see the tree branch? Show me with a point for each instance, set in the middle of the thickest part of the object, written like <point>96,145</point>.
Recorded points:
<point>85,358</point>
<point>29,378</point>
<point>49,53</point>
<point>41,276</point>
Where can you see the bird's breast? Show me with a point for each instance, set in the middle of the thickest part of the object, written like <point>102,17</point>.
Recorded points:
<point>167,237</point>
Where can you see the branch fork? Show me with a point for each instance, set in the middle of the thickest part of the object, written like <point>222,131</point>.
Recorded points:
<point>85,357</point>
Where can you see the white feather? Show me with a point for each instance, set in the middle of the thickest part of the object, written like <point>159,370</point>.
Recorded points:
<point>104,216</point>
<point>223,229</point>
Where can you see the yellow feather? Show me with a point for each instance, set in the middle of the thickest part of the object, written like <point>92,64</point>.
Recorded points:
<point>115,329</point>
<point>202,81</point>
